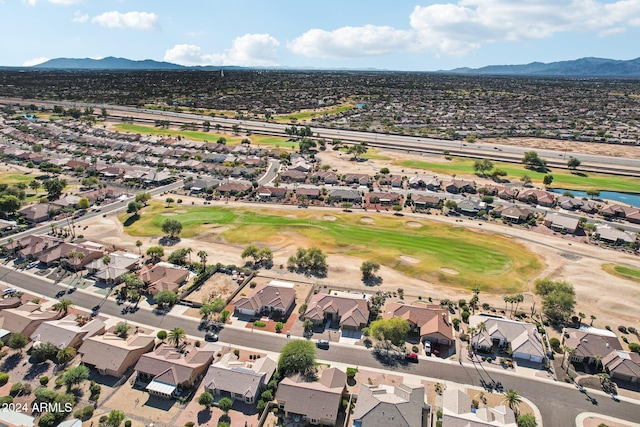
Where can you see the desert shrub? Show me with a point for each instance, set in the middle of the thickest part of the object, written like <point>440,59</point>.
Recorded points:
<point>635,347</point>
<point>84,413</point>
<point>236,352</point>
<point>189,424</point>
<point>259,324</point>
<point>4,378</point>
<point>20,389</point>
<point>622,329</point>
<point>127,423</point>
<point>5,400</point>
<point>44,380</point>
<point>555,344</point>
<point>608,328</point>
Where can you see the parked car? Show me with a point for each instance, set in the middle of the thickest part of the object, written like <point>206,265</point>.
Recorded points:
<point>324,344</point>
<point>10,291</point>
<point>33,264</point>
<point>427,348</point>
<point>411,357</point>
<point>211,337</point>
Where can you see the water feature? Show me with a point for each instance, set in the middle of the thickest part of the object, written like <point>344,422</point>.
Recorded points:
<point>624,198</point>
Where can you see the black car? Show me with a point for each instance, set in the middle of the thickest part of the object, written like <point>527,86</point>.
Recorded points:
<point>211,337</point>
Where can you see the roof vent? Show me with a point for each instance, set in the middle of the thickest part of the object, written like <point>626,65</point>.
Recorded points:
<point>585,340</point>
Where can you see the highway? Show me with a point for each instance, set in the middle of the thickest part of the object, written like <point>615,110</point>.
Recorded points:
<point>558,402</point>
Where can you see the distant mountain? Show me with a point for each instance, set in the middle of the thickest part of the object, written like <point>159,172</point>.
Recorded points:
<point>583,67</point>
<point>109,63</point>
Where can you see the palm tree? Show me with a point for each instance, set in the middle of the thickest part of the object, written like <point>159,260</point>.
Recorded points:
<point>188,252</point>
<point>480,328</point>
<point>62,306</point>
<point>106,260</point>
<point>203,259</point>
<point>66,355</point>
<point>176,335</point>
<point>506,299</point>
<point>592,319</point>
<point>71,256</point>
<point>518,298</point>
<point>568,351</point>
<point>512,399</point>
<point>138,245</point>
<point>581,317</point>
<point>80,256</point>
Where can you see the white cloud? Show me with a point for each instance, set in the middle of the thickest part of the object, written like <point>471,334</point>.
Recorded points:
<point>459,28</point>
<point>132,20</point>
<point>347,42</point>
<point>80,17</point>
<point>246,50</point>
<point>34,61</point>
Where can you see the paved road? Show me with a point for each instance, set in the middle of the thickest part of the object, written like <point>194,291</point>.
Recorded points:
<point>271,172</point>
<point>558,403</point>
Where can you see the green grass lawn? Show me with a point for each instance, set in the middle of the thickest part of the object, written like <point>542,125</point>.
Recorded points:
<point>307,115</point>
<point>263,140</point>
<point>494,264</point>
<point>561,178</point>
<point>622,271</point>
<point>14,178</point>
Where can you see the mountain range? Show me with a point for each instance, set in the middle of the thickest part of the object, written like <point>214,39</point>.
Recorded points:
<point>583,67</point>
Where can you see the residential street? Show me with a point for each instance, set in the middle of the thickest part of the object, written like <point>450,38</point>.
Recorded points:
<point>559,403</point>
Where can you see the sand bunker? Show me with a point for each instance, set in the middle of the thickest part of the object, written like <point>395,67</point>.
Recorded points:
<point>367,220</point>
<point>409,259</point>
<point>180,211</point>
<point>449,270</point>
<point>414,224</point>
<point>329,218</point>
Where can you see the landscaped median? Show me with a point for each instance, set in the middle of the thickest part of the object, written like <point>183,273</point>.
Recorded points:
<point>433,251</point>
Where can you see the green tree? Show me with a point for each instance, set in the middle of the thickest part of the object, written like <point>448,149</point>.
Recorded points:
<point>83,203</point>
<point>74,376</point>
<point>206,400</point>
<point>55,187</point>
<point>573,163</point>
<point>176,336</point>
<point>203,259</point>
<point>18,341</point>
<point>138,245</point>
<point>368,269</point>
<point>558,298</point>
<point>66,355</point>
<point>134,207</point>
<point>122,329</point>
<point>482,166</point>
<point>525,179</point>
<point>63,306</point>
<point>168,298</point>
<point>9,204</point>
<point>114,419</point>
<point>161,335</point>
<point>547,180</point>
<point>358,149</point>
<point>155,252</point>
<point>297,356</point>
<point>172,227</point>
<point>90,181</point>
<point>225,405</point>
<point>44,351</point>
<point>169,200</point>
<point>593,193</point>
<point>392,330</point>
<point>143,198</point>
<point>35,185</point>
<point>214,307</point>
<point>527,420</point>
<point>512,399</point>
<point>533,161</point>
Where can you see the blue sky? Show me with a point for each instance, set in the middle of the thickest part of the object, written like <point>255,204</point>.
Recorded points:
<point>396,35</point>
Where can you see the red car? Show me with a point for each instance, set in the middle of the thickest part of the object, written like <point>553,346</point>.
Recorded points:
<point>411,357</point>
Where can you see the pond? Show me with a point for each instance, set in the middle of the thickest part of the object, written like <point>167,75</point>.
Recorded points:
<point>624,198</point>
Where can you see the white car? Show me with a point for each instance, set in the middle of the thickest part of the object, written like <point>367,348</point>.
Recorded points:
<point>10,291</point>
<point>427,348</point>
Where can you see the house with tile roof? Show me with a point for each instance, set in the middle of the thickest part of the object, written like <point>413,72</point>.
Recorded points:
<point>623,365</point>
<point>274,296</point>
<point>429,322</point>
<point>523,338</point>
<point>26,318</point>
<point>243,381</point>
<point>384,406</point>
<point>168,370</point>
<point>112,355</point>
<point>457,412</point>
<point>349,311</point>
<point>316,402</point>
<point>67,332</point>
<point>590,345</point>
<point>163,277</point>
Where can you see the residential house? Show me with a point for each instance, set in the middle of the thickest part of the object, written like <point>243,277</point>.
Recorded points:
<point>613,236</point>
<point>327,177</point>
<point>313,402</point>
<point>118,265</point>
<point>574,204</point>
<point>168,370</point>
<point>382,406</point>
<point>74,256</point>
<point>537,197</point>
<point>457,412</point>
<point>113,355</point>
<point>69,331</point>
<point>522,338</point>
<point>31,246</point>
<point>458,186</point>
<point>384,199</point>
<point>590,345</point>
<point>471,206</point>
<point>266,192</point>
<point>344,195</point>
<point>562,224</point>
<point>233,188</point>
<point>309,193</point>
<point>274,296</point>
<point>350,311</point>
<point>239,380</point>
<point>630,213</point>
<point>70,201</point>
<point>425,201</point>
<point>293,175</point>
<point>26,318</point>
<point>397,181</point>
<point>35,214</point>
<point>513,214</point>
<point>429,322</point>
<point>357,178</point>
<point>14,418</point>
<point>163,277</point>
<point>623,365</point>
<point>431,183</point>
<point>201,184</point>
